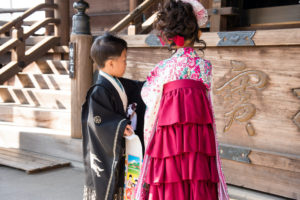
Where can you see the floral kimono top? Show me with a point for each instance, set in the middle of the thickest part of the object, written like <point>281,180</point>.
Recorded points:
<point>184,64</point>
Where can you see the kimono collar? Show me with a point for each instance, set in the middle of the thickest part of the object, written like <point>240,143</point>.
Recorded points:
<point>185,51</point>
<point>118,86</point>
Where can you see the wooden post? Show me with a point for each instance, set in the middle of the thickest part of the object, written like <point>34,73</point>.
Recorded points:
<point>217,21</point>
<point>18,53</point>
<point>83,68</point>
<point>49,13</point>
<point>62,29</point>
<point>132,5</point>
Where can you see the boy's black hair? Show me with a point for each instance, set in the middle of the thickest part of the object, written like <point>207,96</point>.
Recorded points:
<point>106,47</point>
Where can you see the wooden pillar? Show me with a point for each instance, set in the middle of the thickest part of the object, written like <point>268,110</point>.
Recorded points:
<point>18,53</point>
<point>63,28</point>
<point>217,21</point>
<point>82,80</point>
<point>132,5</point>
<point>49,13</point>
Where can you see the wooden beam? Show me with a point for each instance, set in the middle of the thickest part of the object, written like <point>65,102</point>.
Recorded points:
<point>28,161</point>
<point>270,180</point>
<point>9,70</point>
<point>261,38</point>
<point>274,14</point>
<point>12,10</point>
<point>9,45</point>
<point>273,160</point>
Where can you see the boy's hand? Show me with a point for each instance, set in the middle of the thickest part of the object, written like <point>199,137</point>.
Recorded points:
<point>128,130</point>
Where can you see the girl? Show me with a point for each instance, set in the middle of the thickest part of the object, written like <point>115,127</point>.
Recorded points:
<point>181,160</point>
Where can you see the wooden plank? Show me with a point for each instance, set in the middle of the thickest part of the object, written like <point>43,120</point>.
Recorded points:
<point>269,180</point>
<point>273,14</point>
<point>36,117</point>
<point>29,161</point>
<point>261,38</point>
<point>53,142</point>
<point>277,161</point>
<point>240,193</point>
<point>275,103</point>
<point>275,106</point>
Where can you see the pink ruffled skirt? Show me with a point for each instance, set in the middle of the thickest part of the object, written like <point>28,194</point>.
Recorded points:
<point>183,148</point>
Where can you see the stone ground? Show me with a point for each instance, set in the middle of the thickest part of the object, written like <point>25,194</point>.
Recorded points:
<point>67,183</point>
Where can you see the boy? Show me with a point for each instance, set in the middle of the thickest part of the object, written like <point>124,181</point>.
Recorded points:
<point>104,121</point>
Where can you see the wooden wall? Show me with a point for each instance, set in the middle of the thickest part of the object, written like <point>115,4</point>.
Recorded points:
<point>257,89</point>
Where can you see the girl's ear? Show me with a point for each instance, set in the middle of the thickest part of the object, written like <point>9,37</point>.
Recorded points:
<point>199,33</point>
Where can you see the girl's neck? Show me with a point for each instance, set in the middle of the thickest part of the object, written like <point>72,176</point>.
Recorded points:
<point>187,43</point>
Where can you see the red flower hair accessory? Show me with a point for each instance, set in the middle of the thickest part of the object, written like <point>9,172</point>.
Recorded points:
<point>178,40</point>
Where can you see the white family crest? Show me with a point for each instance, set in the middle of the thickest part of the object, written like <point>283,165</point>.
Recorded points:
<point>93,161</point>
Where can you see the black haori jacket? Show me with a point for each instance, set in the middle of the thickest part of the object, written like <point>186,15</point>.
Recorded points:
<point>103,125</point>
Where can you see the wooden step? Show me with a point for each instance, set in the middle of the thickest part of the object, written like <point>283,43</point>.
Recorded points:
<point>48,67</point>
<point>28,161</point>
<point>45,81</point>
<point>53,142</point>
<point>30,116</point>
<point>44,98</point>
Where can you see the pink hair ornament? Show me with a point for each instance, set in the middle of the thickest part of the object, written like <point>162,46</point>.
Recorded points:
<point>199,11</point>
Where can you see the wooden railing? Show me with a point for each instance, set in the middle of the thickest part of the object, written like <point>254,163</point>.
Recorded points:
<point>215,11</point>
<point>19,20</point>
<point>138,11</point>
<point>19,57</point>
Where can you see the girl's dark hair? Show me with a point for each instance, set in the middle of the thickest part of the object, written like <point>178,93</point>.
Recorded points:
<point>178,18</point>
<point>106,47</point>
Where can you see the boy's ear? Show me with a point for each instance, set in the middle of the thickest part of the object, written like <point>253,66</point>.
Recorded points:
<point>109,62</point>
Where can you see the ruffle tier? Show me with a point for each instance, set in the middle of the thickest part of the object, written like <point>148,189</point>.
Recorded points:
<point>186,166</point>
<point>187,104</point>
<point>185,190</point>
<point>182,138</point>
